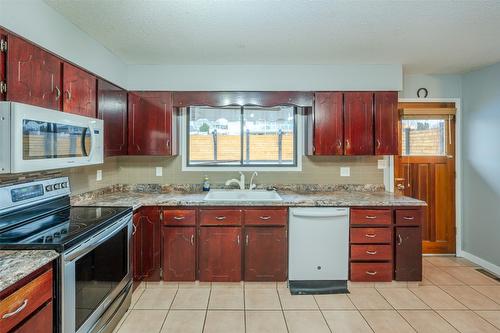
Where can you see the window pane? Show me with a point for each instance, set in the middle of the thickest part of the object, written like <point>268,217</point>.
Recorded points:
<point>214,135</point>
<point>269,135</point>
<point>424,137</point>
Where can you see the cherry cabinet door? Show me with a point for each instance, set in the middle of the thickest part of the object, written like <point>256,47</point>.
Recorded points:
<point>79,91</point>
<point>150,123</point>
<point>112,109</point>
<point>408,254</point>
<point>179,253</point>
<point>40,322</point>
<point>220,254</point>
<point>358,123</point>
<point>33,75</point>
<point>328,124</point>
<point>386,123</point>
<point>265,254</point>
<point>148,250</point>
<point>3,64</point>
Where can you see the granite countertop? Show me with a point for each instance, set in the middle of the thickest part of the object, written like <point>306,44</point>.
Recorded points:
<point>137,197</point>
<point>17,264</point>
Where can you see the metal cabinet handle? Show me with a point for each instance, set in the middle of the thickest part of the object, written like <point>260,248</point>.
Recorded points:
<point>378,143</point>
<point>265,218</point>
<point>246,240</point>
<point>400,239</point>
<point>68,94</point>
<point>410,218</point>
<point>371,273</point>
<point>58,93</point>
<point>347,143</point>
<point>179,218</point>
<point>238,239</point>
<point>371,252</point>
<point>220,218</point>
<point>168,143</point>
<point>339,143</point>
<point>19,309</point>
<point>370,217</point>
<point>134,229</point>
<point>192,239</point>
<point>371,235</point>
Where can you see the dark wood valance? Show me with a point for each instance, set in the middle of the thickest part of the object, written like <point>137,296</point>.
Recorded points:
<point>240,98</point>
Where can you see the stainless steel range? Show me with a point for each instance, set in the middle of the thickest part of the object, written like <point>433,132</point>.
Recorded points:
<point>94,271</point>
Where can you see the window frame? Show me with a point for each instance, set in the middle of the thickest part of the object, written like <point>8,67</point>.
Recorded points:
<point>296,166</point>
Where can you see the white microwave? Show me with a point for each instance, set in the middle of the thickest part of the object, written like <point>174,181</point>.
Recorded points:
<point>35,139</point>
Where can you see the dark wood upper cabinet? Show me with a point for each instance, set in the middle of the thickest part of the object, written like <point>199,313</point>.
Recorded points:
<point>265,254</point>
<point>179,253</point>
<point>328,137</point>
<point>150,124</point>
<point>79,91</point>
<point>358,123</point>
<point>220,254</point>
<point>146,239</point>
<point>33,75</point>
<point>386,123</point>
<point>112,109</point>
<point>408,254</point>
<point>3,65</point>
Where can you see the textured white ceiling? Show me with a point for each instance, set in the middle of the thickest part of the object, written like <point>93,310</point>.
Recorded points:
<point>438,36</point>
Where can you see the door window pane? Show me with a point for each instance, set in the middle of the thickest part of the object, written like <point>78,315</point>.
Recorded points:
<point>423,137</point>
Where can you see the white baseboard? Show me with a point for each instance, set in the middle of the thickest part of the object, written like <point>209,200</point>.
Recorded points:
<point>481,262</point>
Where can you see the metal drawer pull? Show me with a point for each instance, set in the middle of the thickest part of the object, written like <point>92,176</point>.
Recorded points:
<point>265,217</point>
<point>400,239</point>
<point>220,218</point>
<point>371,252</point>
<point>134,227</point>
<point>238,239</point>
<point>408,218</point>
<point>371,235</point>
<point>246,240</point>
<point>371,273</point>
<point>370,217</point>
<point>178,218</point>
<point>192,239</point>
<point>19,309</point>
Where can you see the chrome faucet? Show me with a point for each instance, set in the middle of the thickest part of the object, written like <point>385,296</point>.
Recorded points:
<point>240,182</point>
<point>252,185</point>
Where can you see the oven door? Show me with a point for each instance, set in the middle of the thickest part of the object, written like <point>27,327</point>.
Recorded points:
<point>94,274</point>
<point>47,139</point>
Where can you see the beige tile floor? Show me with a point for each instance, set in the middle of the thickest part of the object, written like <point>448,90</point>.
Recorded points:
<point>453,297</point>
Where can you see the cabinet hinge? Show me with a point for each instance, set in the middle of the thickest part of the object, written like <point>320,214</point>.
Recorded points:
<point>3,87</point>
<point>3,45</point>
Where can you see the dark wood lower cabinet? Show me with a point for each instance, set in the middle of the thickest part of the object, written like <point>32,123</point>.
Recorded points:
<point>220,254</point>
<point>408,265</point>
<point>265,254</point>
<point>179,253</point>
<point>146,242</point>
<point>40,322</point>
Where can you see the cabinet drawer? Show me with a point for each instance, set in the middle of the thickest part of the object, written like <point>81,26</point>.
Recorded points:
<point>220,217</point>
<point>408,216</point>
<point>24,301</point>
<point>179,217</point>
<point>371,272</point>
<point>371,235</point>
<point>371,252</point>
<point>265,216</point>
<point>371,216</point>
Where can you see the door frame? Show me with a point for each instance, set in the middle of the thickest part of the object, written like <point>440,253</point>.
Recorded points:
<point>389,175</point>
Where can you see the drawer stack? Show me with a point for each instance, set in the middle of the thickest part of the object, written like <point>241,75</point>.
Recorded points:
<point>371,254</point>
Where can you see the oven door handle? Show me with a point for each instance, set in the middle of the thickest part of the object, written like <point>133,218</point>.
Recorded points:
<point>97,240</point>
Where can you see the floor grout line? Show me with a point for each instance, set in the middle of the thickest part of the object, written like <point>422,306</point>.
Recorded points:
<point>282,310</point>
<point>206,309</point>
<point>322,314</point>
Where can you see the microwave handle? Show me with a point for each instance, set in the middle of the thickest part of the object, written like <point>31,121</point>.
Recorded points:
<point>93,141</point>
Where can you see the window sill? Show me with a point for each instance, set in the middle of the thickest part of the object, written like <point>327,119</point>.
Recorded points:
<point>296,168</point>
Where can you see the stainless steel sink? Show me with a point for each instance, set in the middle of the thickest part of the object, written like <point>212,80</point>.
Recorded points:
<point>242,195</point>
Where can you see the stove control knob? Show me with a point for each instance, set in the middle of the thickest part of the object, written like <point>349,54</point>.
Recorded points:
<point>48,239</point>
<point>64,184</point>
<point>64,231</point>
<point>57,186</point>
<point>57,235</point>
<point>48,188</point>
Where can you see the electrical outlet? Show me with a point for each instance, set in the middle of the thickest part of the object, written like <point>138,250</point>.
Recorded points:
<point>381,164</point>
<point>159,171</point>
<point>345,172</point>
<point>98,176</point>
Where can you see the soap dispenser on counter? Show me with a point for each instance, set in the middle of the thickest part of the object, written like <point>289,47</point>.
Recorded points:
<point>206,184</point>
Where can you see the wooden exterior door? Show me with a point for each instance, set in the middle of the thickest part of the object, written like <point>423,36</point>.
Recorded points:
<point>146,241</point>
<point>3,64</point>
<point>79,91</point>
<point>430,177</point>
<point>220,254</point>
<point>328,124</point>
<point>112,108</point>
<point>408,258</point>
<point>33,75</point>
<point>358,123</point>
<point>179,253</point>
<point>386,123</point>
<point>265,254</point>
<point>150,123</point>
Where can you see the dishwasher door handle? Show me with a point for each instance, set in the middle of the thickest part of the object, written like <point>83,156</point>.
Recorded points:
<point>313,215</point>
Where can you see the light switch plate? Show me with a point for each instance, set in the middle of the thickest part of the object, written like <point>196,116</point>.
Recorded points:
<point>159,171</point>
<point>381,164</point>
<point>98,176</point>
<point>345,172</point>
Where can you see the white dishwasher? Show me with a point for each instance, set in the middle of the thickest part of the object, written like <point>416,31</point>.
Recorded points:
<point>318,255</point>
